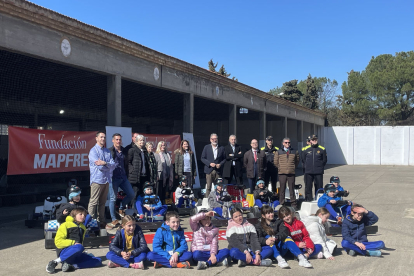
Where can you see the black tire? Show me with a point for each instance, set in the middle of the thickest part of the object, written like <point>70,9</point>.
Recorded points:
<point>30,217</point>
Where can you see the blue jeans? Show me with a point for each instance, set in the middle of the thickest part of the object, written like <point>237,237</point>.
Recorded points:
<point>113,192</point>
<point>376,245</point>
<point>154,257</point>
<point>205,255</point>
<point>190,203</point>
<point>74,255</point>
<point>125,263</point>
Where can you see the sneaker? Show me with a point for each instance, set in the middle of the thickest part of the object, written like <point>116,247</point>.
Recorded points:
<point>352,253</point>
<point>282,263</point>
<point>374,253</point>
<point>240,263</point>
<point>201,265</point>
<point>184,265</point>
<point>67,267</point>
<point>320,255</point>
<point>112,224</point>
<point>113,265</point>
<point>50,268</point>
<point>139,265</point>
<point>305,263</point>
<point>225,262</point>
<point>157,265</point>
<point>266,262</point>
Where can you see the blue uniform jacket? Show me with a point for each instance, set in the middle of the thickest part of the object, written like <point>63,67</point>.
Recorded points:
<point>354,231</point>
<point>323,200</point>
<point>140,200</point>
<point>118,243</point>
<point>168,241</point>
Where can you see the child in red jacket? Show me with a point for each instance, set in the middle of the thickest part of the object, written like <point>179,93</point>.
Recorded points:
<point>299,234</point>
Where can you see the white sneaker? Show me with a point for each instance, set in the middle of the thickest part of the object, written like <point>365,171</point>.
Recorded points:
<point>201,265</point>
<point>305,263</point>
<point>266,262</point>
<point>282,263</point>
<point>240,263</point>
<point>225,262</point>
<point>320,255</point>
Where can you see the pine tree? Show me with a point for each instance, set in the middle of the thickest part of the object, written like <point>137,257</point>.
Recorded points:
<point>310,98</point>
<point>291,92</point>
<point>212,66</point>
<point>222,71</point>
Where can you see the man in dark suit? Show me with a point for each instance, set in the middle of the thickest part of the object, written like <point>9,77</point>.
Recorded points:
<point>254,161</point>
<point>213,159</point>
<point>234,161</point>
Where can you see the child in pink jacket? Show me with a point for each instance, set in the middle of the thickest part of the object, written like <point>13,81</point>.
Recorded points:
<point>205,241</point>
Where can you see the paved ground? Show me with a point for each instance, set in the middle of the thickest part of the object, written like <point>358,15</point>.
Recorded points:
<point>386,190</point>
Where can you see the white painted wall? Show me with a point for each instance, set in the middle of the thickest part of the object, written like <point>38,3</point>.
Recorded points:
<point>376,145</point>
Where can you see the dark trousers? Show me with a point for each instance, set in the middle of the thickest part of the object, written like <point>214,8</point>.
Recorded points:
<point>161,190</point>
<point>138,187</point>
<point>233,173</point>
<point>290,178</point>
<point>317,181</point>
<point>271,175</point>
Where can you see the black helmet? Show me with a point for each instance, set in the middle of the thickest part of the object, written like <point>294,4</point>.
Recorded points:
<point>74,190</point>
<point>183,178</point>
<point>335,179</point>
<point>219,182</point>
<point>329,187</point>
<point>147,185</point>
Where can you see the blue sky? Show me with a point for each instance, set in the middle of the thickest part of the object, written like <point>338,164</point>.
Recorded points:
<point>262,43</point>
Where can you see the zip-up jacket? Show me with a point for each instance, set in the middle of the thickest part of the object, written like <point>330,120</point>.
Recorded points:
<point>178,195</point>
<point>69,233</point>
<point>299,233</point>
<point>281,232</point>
<point>354,231</point>
<point>314,159</point>
<point>257,191</point>
<point>140,200</point>
<point>118,243</point>
<point>318,236</point>
<point>213,199</point>
<point>286,161</point>
<point>323,200</point>
<point>203,235</point>
<point>60,217</point>
<point>242,236</point>
<point>270,154</point>
<point>168,241</point>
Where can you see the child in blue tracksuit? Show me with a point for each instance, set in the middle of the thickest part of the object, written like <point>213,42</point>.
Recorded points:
<point>169,245</point>
<point>143,208</point>
<point>330,202</point>
<point>180,198</point>
<point>355,236</point>
<point>128,248</point>
<point>261,191</point>
<point>68,241</point>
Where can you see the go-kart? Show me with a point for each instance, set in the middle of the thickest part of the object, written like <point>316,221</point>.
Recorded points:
<point>44,213</point>
<point>266,199</point>
<point>150,222</point>
<point>94,236</point>
<point>187,210</point>
<point>299,197</point>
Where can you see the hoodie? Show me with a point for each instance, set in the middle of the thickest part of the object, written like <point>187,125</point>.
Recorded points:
<point>242,236</point>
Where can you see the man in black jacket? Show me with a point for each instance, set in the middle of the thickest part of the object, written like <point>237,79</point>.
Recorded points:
<point>270,168</point>
<point>314,159</point>
<point>212,158</point>
<point>234,161</point>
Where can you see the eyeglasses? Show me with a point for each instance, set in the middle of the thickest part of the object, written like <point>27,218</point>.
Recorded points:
<point>287,142</point>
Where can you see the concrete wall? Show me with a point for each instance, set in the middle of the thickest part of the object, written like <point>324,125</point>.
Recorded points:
<point>380,145</point>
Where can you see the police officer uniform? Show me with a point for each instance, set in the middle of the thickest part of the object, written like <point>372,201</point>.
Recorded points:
<point>270,168</point>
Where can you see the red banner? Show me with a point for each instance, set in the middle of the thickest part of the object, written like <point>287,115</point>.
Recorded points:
<point>48,151</point>
<point>173,142</point>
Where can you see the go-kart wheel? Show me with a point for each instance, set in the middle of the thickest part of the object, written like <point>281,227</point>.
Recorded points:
<point>49,242</point>
<point>30,217</point>
<point>103,233</point>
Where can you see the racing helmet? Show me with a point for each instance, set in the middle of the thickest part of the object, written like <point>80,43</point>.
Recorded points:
<point>334,179</point>
<point>329,188</point>
<point>148,185</point>
<point>73,191</point>
<point>219,182</point>
<point>183,178</point>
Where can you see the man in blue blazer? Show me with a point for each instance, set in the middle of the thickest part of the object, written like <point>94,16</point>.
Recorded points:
<point>213,159</point>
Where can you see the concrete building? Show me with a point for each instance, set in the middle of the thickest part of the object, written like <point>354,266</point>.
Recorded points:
<point>59,73</point>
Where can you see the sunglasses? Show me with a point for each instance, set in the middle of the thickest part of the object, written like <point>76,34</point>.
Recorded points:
<point>287,142</point>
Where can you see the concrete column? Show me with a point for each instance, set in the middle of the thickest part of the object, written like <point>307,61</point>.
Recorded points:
<point>114,100</point>
<point>232,119</point>
<point>188,114</point>
<point>262,133</point>
<point>300,131</point>
<point>284,128</point>
<point>313,127</point>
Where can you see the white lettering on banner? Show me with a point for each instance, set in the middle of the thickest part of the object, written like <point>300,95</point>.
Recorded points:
<point>77,160</point>
<point>61,144</point>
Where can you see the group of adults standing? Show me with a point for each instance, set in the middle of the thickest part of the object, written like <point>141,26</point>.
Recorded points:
<point>130,167</point>
<point>270,163</point>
